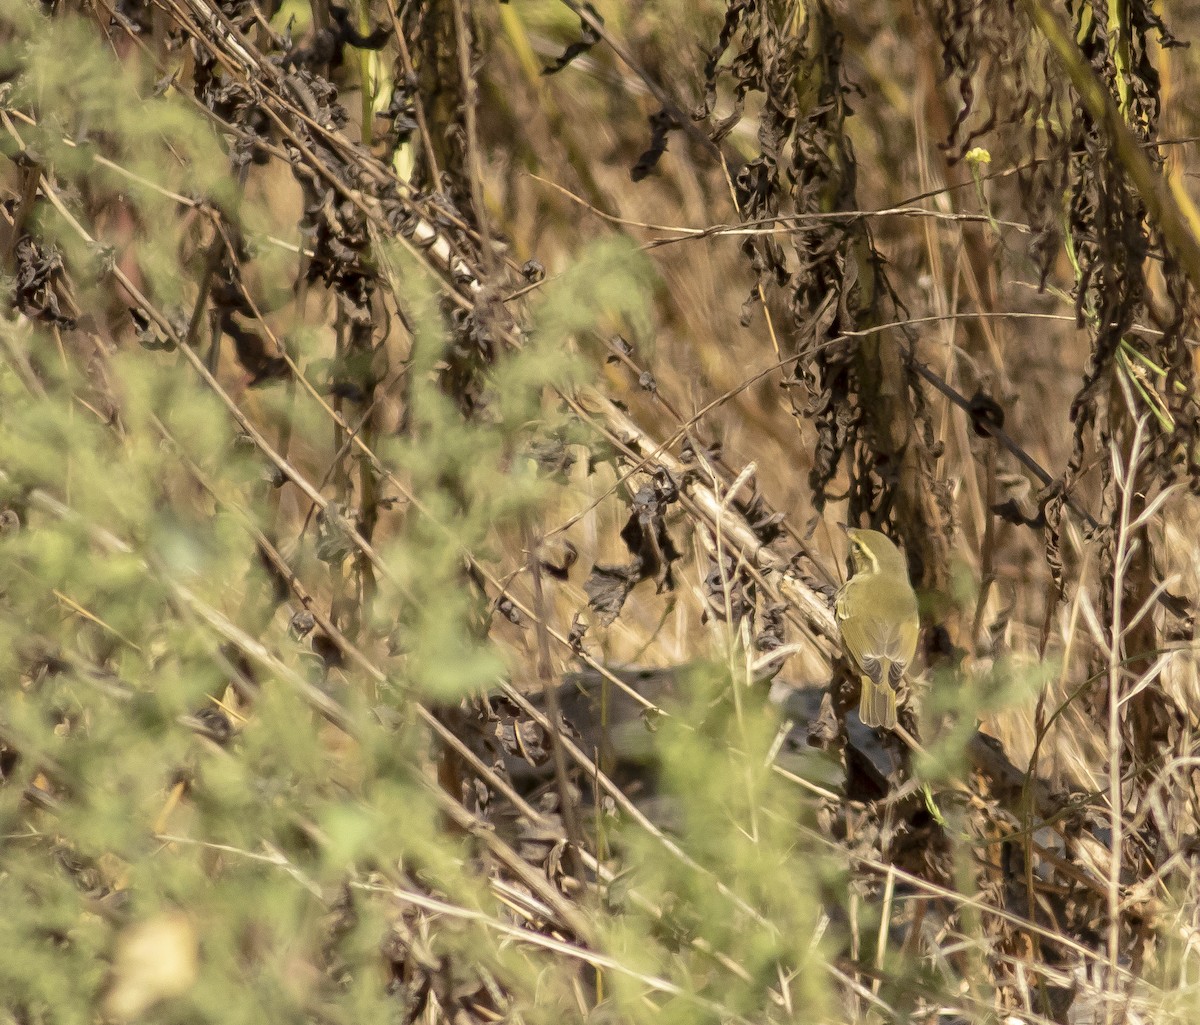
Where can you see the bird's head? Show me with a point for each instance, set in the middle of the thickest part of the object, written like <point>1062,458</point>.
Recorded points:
<point>873,552</point>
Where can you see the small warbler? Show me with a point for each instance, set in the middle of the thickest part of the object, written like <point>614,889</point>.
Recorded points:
<point>877,615</point>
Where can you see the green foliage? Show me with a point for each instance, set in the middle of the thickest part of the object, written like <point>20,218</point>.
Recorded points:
<point>747,878</point>
<point>475,476</point>
<point>101,128</point>
<point>291,450</point>
<point>108,603</point>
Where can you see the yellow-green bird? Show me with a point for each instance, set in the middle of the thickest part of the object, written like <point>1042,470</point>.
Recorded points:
<point>877,614</point>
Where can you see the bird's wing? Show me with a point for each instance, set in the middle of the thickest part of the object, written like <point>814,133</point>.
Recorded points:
<point>855,640</point>
<point>895,646</point>
<point>892,647</point>
<point>899,643</point>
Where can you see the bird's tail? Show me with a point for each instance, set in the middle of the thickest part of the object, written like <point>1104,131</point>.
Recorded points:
<point>878,704</point>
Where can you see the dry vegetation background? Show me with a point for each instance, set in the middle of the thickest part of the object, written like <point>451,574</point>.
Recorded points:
<point>425,428</point>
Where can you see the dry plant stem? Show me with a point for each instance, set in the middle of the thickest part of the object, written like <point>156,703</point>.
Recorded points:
<point>470,102</point>
<point>246,64</point>
<point>1000,435</point>
<point>889,889</point>
<point>683,428</point>
<point>813,608</point>
<point>211,259</point>
<point>30,176</point>
<point>956,397</point>
<point>545,942</point>
<point>987,572</point>
<point>435,174</point>
<point>783,224</point>
<point>368,509</point>
<point>417,899</point>
<point>765,307</point>
<point>954,897</point>
<point>807,608</point>
<point>566,801</point>
<point>1126,483</point>
<point>739,678</point>
<point>567,132</point>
